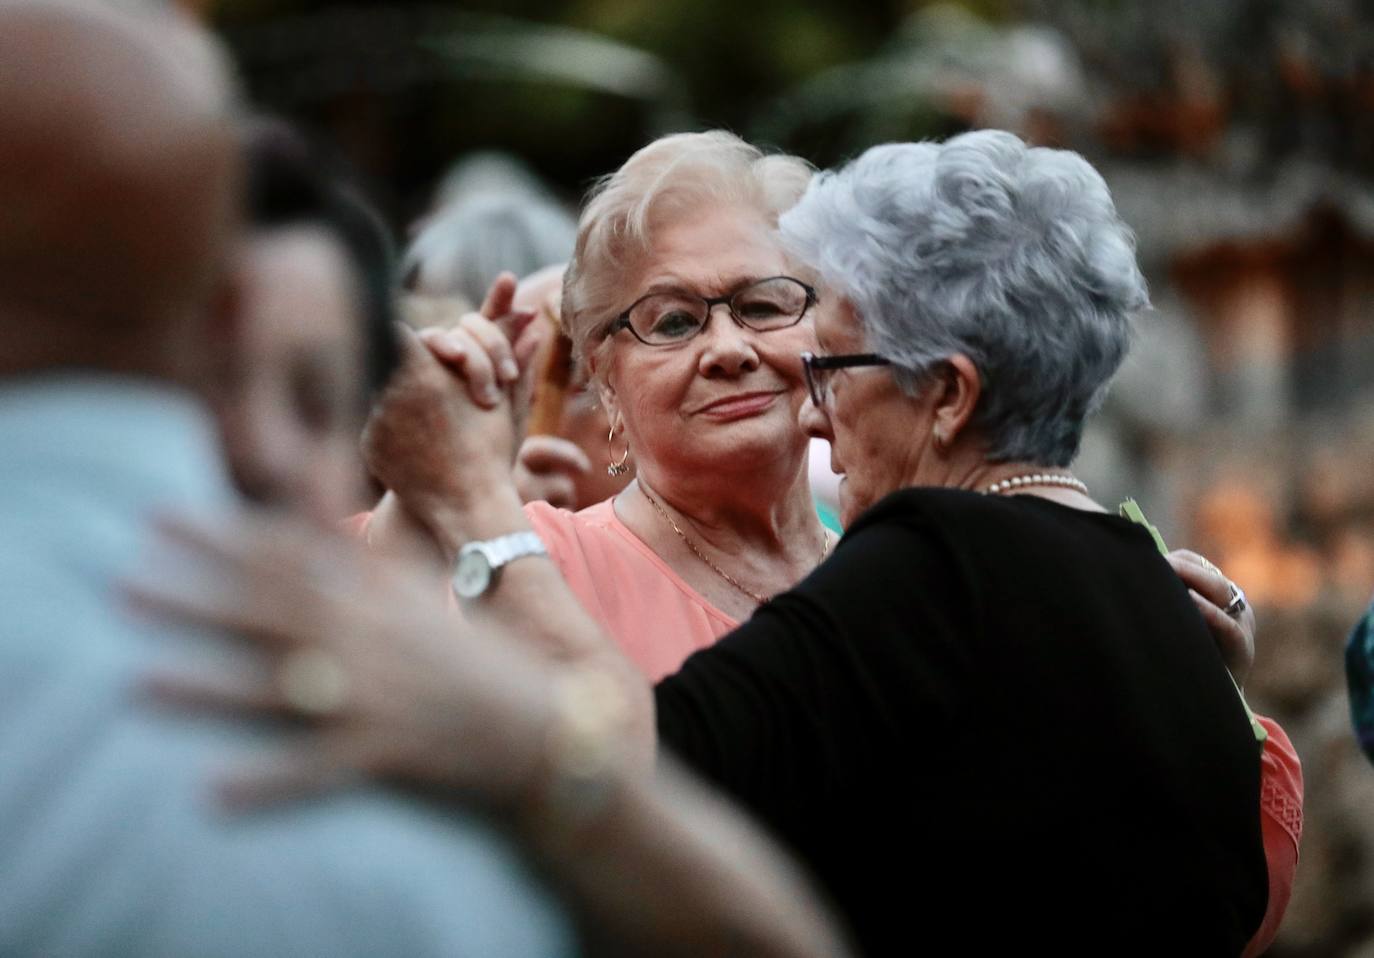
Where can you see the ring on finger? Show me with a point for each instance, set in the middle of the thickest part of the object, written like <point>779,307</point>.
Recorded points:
<point>313,682</point>
<point>1237,603</point>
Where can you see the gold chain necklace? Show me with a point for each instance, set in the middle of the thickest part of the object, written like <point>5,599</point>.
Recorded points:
<point>825,547</point>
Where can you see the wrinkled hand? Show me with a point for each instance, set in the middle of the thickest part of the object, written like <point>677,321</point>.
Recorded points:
<point>547,468</point>
<point>430,443</point>
<point>417,697</point>
<point>445,428</point>
<point>1211,591</point>
<point>492,350</point>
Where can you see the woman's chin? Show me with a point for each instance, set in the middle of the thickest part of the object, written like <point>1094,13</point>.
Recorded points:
<point>853,503</point>
<point>758,438</point>
<point>846,504</point>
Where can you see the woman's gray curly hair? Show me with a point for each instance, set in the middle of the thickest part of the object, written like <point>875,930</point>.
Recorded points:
<point>1012,255</point>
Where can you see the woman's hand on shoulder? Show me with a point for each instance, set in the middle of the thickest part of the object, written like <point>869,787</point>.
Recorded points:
<point>1212,592</point>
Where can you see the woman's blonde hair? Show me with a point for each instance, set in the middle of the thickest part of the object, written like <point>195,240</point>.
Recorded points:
<point>671,176</point>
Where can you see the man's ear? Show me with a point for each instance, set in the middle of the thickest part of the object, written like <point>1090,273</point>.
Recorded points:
<point>959,387</point>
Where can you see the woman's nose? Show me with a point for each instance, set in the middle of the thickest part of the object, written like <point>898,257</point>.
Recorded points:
<point>728,346</point>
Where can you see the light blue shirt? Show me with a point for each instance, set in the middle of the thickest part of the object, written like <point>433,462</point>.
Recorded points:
<point>109,844</point>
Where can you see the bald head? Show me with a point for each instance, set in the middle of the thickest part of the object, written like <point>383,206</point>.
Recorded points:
<point>117,179</point>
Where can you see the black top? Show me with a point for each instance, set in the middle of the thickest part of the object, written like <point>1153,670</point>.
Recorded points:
<point>987,724</point>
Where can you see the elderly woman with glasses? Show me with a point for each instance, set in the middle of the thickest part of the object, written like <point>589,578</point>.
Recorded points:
<point>993,682</point>
<point>691,318</point>
<point>993,717</point>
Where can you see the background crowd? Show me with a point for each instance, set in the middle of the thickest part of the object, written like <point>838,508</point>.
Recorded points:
<point>1234,136</point>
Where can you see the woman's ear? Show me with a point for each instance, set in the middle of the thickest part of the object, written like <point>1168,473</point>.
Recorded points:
<point>958,386</point>
<point>599,375</point>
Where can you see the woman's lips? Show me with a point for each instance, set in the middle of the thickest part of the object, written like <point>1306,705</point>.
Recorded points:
<point>738,407</point>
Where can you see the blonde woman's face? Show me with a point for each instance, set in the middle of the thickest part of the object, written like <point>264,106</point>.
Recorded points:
<point>727,399</point>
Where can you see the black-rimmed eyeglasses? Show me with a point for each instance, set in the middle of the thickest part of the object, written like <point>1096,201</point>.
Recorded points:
<point>819,368</point>
<point>673,317</point>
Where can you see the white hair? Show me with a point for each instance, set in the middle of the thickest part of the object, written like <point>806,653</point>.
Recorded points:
<point>1011,255</point>
<point>466,246</point>
<point>672,177</point>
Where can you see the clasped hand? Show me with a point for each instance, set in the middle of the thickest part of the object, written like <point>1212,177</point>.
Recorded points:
<point>447,424</point>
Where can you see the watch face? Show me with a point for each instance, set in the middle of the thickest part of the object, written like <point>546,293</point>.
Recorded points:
<point>472,574</point>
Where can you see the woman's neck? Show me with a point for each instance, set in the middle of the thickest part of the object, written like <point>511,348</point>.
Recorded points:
<point>1056,483</point>
<point>765,536</point>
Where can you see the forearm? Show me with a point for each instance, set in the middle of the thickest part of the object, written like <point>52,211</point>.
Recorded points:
<point>531,602</point>
<point>669,868</point>
<point>651,861</point>
<point>394,528</point>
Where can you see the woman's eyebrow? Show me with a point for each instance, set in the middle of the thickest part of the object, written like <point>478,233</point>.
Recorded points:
<point>720,286</point>
<point>668,286</point>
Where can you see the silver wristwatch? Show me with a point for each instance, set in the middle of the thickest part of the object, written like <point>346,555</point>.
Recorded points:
<point>479,562</point>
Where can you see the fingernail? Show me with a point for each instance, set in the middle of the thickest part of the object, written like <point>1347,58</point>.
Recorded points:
<point>509,370</point>
<point>493,395</point>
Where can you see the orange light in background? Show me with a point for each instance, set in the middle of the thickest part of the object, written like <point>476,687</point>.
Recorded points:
<point>1352,566</point>
<point>1240,522</point>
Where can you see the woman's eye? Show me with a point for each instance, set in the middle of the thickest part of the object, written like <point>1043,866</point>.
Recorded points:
<point>676,324</point>
<point>758,309</point>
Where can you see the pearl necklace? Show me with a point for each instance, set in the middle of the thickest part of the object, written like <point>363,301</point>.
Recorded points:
<point>825,547</point>
<point>1036,479</point>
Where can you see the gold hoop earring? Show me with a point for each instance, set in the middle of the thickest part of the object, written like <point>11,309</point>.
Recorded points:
<point>616,468</point>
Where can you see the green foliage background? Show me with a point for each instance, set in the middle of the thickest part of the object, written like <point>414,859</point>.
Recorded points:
<point>405,88</point>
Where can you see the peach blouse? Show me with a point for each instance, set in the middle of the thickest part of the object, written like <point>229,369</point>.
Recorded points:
<point>655,617</point>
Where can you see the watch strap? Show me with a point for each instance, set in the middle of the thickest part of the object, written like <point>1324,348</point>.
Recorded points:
<point>508,548</point>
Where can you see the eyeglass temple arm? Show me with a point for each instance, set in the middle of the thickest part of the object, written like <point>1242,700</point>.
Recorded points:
<point>844,362</point>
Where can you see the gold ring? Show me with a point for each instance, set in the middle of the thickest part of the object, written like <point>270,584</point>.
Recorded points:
<point>313,682</point>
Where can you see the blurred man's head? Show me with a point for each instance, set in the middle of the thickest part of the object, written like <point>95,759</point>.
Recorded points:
<point>311,336</point>
<point>118,176</point>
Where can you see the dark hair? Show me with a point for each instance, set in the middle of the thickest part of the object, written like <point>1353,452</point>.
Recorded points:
<point>293,183</point>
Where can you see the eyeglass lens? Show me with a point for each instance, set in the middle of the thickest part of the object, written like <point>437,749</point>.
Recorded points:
<point>674,317</point>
